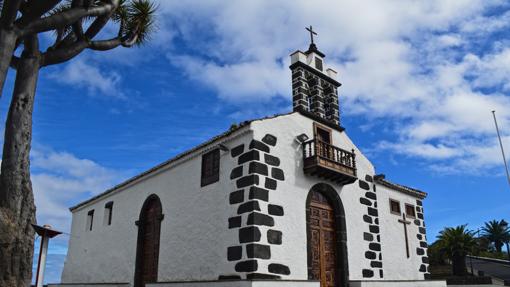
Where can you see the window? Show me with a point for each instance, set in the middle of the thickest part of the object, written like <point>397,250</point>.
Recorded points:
<point>410,211</point>
<point>210,167</point>
<point>108,212</point>
<point>394,206</point>
<point>318,64</point>
<point>323,134</point>
<point>90,219</point>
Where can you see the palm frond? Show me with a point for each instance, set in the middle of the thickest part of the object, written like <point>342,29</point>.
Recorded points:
<point>456,240</point>
<point>140,19</point>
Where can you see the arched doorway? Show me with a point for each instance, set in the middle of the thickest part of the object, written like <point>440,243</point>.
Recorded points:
<point>327,240</point>
<point>147,251</point>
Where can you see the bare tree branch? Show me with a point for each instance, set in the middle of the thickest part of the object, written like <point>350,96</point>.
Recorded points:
<point>64,53</point>
<point>36,9</point>
<point>104,45</point>
<point>77,26</point>
<point>14,62</point>
<point>68,17</point>
<point>10,10</point>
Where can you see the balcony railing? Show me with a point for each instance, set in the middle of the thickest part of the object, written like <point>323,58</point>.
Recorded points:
<point>328,161</point>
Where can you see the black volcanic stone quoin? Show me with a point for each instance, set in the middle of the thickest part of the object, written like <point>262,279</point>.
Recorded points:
<point>259,181</point>
<point>277,173</point>
<point>247,181</point>
<point>274,237</point>
<point>271,160</point>
<point>275,210</point>
<point>236,197</point>
<point>248,207</point>
<point>237,150</point>
<point>259,193</point>
<point>270,183</point>
<point>236,172</point>
<point>258,168</point>
<point>278,269</point>
<point>234,253</point>
<point>260,219</point>
<point>247,266</point>
<point>255,144</point>
<point>234,222</point>
<point>258,251</point>
<point>249,156</point>
<point>249,234</point>
<point>269,139</point>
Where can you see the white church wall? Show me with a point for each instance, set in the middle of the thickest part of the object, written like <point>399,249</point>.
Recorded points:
<point>293,192</point>
<point>193,240</point>
<point>202,229</point>
<point>393,237</point>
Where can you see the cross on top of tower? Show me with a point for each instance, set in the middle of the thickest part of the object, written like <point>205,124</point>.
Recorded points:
<point>312,32</point>
<point>313,47</point>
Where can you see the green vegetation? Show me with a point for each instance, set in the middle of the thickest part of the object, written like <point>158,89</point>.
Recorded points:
<point>455,243</point>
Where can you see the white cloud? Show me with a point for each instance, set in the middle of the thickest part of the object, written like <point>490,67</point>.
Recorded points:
<point>60,180</point>
<point>416,63</point>
<point>86,74</point>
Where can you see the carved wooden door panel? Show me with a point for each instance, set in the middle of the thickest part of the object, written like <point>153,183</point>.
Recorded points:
<point>322,241</point>
<point>147,265</point>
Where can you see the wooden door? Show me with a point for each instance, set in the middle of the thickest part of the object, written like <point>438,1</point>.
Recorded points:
<point>321,241</point>
<point>148,243</point>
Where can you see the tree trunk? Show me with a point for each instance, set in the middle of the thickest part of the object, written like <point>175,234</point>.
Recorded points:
<point>7,45</point>
<point>17,209</point>
<point>459,265</point>
<point>498,245</point>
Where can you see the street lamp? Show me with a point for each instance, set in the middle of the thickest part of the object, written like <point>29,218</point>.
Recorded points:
<point>46,232</point>
<point>504,224</point>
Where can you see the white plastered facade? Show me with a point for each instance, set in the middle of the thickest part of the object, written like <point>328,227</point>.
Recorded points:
<point>195,233</point>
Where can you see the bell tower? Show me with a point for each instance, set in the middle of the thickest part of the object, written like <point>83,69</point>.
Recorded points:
<point>314,87</point>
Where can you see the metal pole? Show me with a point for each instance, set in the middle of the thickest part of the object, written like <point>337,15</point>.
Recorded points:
<point>501,145</point>
<point>46,233</point>
<point>41,264</point>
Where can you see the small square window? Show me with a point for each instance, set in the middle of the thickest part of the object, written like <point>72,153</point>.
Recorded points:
<point>108,213</point>
<point>395,207</point>
<point>410,212</point>
<point>210,167</point>
<point>90,219</point>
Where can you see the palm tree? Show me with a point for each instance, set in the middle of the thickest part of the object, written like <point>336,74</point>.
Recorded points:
<point>496,232</point>
<point>456,243</point>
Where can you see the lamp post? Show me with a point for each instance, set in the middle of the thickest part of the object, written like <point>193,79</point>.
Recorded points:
<point>504,224</point>
<point>46,233</point>
<point>471,257</point>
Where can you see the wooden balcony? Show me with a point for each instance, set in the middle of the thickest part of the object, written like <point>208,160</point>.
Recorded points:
<point>329,162</point>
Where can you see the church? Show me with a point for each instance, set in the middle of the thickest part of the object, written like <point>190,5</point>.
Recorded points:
<point>287,201</point>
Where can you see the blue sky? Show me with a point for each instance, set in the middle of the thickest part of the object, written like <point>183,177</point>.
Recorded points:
<point>420,79</point>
